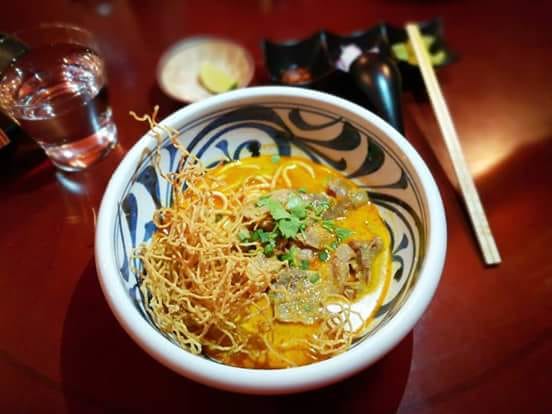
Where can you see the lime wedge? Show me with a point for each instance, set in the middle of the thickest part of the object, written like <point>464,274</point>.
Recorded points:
<point>404,52</point>
<point>400,50</point>
<point>438,58</point>
<point>214,79</point>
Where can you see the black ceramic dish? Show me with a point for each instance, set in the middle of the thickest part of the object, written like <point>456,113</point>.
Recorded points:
<point>307,57</point>
<point>370,83</point>
<point>320,52</point>
<point>375,82</point>
<point>374,39</point>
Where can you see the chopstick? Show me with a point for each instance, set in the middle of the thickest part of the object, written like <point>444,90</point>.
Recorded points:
<point>467,187</point>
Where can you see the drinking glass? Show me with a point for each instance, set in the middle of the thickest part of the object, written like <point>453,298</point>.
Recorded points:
<point>57,91</point>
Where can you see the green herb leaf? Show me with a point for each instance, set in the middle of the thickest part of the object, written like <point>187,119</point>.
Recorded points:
<point>324,255</point>
<point>290,256</point>
<point>315,277</point>
<point>328,225</point>
<point>320,206</point>
<point>269,250</point>
<point>341,233</point>
<point>304,264</point>
<point>263,201</point>
<point>275,158</point>
<point>294,201</point>
<point>264,236</point>
<point>289,227</point>
<point>276,209</point>
<point>267,236</point>
<point>302,190</point>
<point>297,206</point>
<point>244,235</point>
<point>299,212</point>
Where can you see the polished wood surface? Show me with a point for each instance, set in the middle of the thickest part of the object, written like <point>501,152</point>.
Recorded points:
<point>485,343</point>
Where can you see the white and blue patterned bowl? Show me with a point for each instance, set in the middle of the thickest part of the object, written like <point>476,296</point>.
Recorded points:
<point>286,121</point>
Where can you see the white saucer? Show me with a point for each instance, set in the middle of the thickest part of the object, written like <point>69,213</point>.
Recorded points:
<point>178,68</point>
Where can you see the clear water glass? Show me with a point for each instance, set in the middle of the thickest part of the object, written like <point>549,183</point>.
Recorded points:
<point>57,91</point>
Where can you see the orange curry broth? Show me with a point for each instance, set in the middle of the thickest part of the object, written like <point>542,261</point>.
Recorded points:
<point>364,222</point>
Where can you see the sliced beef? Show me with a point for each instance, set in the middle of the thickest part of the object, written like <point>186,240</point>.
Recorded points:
<point>262,267</point>
<point>347,198</point>
<point>338,187</point>
<point>358,198</point>
<point>340,271</point>
<point>366,251</point>
<point>305,254</point>
<point>298,295</point>
<point>316,236</point>
<point>252,212</point>
<point>344,252</point>
<point>314,197</point>
<point>339,209</point>
<point>340,265</point>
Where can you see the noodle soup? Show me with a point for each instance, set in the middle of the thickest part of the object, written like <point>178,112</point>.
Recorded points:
<point>266,262</point>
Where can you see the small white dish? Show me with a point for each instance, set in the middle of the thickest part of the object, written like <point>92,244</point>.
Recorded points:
<point>178,68</point>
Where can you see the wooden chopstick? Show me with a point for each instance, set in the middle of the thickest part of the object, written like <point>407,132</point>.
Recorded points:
<point>465,180</point>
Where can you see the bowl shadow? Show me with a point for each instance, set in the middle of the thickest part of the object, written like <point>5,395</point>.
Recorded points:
<point>103,370</point>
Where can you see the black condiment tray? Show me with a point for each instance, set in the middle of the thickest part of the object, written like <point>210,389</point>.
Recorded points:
<point>319,53</point>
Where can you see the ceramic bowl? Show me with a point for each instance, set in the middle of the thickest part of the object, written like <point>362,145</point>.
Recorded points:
<point>282,120</point>
<point>178,68</point>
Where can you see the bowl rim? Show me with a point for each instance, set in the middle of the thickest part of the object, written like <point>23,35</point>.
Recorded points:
<point>278,381</point>
<point>194,41</point>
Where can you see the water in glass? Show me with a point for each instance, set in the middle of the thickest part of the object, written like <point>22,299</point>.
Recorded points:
<point>59,95</point>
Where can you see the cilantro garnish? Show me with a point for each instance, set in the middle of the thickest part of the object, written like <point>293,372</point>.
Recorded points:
<point>290,219</point>
<point>304,264</point>
<point>342,233</point>
<point>268,250</point>
<point>294,201</point>
<point>276,209</point>
<point>315,277</point>
<point>328,225</point>
<point>324,255</point>
<point>297,206</point>
<point>319,207</point>
<point>290,256</point>
<point>244,235</point>
<point>266,238</point>
<point>289,227</point>
<point>263,236</point>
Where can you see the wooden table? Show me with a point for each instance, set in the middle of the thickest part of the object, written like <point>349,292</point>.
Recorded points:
<point>485,343</point>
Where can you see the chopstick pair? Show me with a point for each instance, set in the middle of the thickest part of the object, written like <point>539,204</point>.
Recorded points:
<point>475,209</point>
